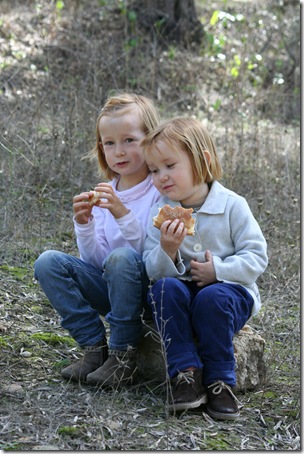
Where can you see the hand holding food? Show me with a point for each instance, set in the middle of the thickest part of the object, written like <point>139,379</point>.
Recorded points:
<point>169,213</point>
<point>94,197</point>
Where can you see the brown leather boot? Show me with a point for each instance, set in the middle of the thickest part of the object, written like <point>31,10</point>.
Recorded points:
<point>222,403</point>
<point>187,391</point>
<point>94,356</point>
<point>120,369</point>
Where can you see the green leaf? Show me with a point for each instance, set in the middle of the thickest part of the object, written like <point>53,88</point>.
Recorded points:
<point>217,104</point>
<point>214,18</point>
<point>132,16</point>
<point>171,53</point>
<point>234,72</point>
<point>237,60</point>
<point>59,4</point>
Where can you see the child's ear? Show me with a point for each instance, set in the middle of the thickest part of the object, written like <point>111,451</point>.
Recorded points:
<point>207,156</point>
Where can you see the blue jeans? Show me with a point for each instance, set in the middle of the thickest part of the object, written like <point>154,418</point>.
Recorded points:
<point>80,293</point>
<point>197,325</point>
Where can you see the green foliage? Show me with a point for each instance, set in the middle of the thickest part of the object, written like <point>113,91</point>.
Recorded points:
<point>132,16</point>
<point>239,55</point>
<point>159,24</point>
<point>270,394</point>
<point>217,104</point>
<point>37,309</point>
<point>68,430</point>
<point>130,44</point>
<point>18,272</point>
<point>15,446</point>
<point>221,46</point>
<point>59,5</point>
<point>171,52</point>
<point>53,339</point>
<point>59,365</point>
<point>217,443</point>
<point>3,342</point>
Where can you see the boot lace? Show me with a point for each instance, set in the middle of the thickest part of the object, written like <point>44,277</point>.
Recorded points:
<point>219,386</point>
<point>185,377</point>
<point>123,363</point>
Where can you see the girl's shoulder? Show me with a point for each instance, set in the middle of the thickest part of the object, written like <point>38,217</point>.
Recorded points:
<point>220,192</point>
<point>220,199</point>
<point>218,189</point>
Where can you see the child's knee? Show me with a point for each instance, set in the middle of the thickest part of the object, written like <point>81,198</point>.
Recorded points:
<point>43,263</point>
<point>212,298</point>
<point>120,259</point>
<point>169,291</point>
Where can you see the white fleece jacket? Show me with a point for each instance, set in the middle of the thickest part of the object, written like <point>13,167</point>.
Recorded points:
<point>226,226</point>
<point>104,233</point>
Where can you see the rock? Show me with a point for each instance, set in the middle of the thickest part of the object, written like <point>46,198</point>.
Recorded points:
<point>150,360</point>
<point>12,388</point>
<point>250,360</point>
<point>249,353</point>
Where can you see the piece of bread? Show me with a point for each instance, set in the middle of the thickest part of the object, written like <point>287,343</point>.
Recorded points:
<point>169,213</point>
<point>94,197</point>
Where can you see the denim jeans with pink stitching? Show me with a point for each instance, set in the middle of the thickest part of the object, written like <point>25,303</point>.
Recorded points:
<point>81,293</point>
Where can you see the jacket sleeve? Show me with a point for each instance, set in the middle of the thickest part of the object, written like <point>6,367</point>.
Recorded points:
<point>91,243</point>
<point>132,230</point>
<point>133,226</point>
<point>250,258</point>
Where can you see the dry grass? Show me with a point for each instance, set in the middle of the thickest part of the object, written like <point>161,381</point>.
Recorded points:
<point>55,74</point>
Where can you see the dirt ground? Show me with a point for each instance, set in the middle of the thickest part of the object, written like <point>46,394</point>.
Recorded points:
<point>57,64</point>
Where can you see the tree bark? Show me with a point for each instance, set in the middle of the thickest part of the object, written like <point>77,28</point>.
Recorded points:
<point>170,20</point>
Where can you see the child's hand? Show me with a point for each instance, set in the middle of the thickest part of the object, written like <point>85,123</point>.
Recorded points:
<point>111,201</point>
<point>203,273</point>
<point>82,208</point>
<point>172,234</point>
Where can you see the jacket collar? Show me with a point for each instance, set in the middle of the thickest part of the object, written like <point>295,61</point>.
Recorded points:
<point>216,200</point>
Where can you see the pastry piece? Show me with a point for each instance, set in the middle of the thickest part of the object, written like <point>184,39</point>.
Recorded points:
<point>169,213</point>
<point>94,197</point>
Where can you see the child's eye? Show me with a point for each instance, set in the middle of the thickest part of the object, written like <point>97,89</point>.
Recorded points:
<point>108,143</point>
<point>129,140</point>
<point>154,171</point>
<point>170,166</point>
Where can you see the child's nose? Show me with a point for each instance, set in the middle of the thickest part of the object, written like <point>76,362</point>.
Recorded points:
<point>119,150</point>
<point>163,176</point>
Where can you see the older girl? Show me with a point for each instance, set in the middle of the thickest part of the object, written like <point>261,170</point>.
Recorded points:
<point>109,278</point>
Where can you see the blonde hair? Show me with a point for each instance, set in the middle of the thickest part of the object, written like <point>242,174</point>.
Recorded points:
<point>148,114</point>
<point>194,139</point>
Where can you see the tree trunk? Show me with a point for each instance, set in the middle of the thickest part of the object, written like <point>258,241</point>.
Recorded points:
<point>170,20</point>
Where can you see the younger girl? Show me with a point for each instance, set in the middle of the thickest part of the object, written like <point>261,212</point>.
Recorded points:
<point>109,277</point>
<point>205,289</point>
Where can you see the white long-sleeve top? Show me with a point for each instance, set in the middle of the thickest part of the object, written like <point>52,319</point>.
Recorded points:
<point>227,228</point>
<point>103,233</point>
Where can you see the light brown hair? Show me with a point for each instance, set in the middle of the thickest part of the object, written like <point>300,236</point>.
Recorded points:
<point>194,139</point>
<point>148,113</point>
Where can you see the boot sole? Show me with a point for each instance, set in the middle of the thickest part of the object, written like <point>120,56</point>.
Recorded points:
<point>107,383</point>
<point>222,416</point>
<point>187,405</point>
